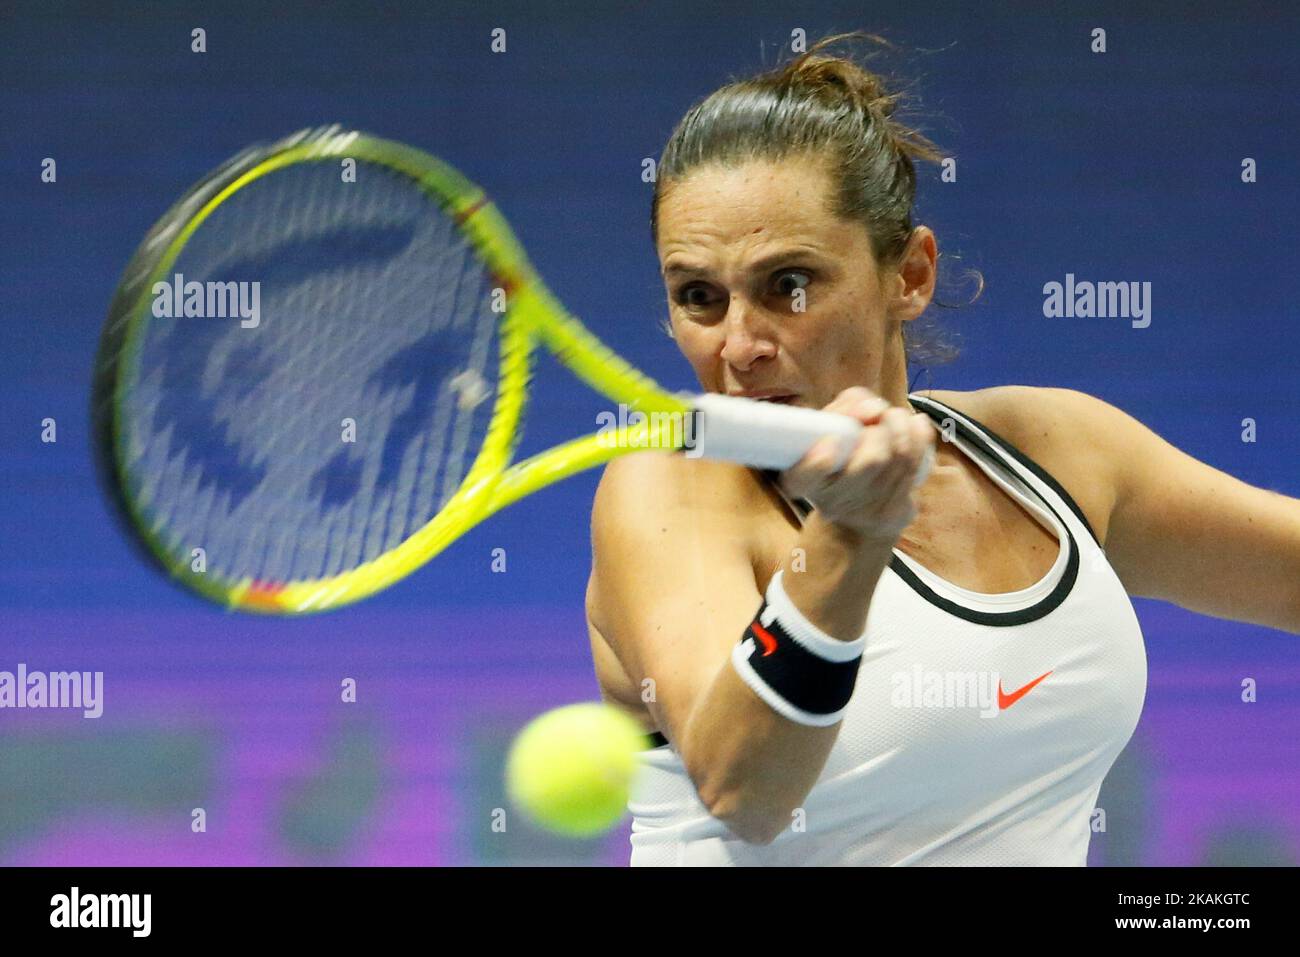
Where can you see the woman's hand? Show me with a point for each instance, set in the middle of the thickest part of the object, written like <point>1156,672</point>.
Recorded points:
<point>870,493</point>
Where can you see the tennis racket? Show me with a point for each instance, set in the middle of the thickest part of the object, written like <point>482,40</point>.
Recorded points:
<point>313,376</point>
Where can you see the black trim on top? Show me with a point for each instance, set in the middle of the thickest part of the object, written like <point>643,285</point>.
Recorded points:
<point>995,618</point>
<point>998,619</point>
<point>1027,462</point>
<point>657,740</point>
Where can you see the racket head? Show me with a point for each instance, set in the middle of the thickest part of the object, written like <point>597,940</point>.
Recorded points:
<point>217,434</point>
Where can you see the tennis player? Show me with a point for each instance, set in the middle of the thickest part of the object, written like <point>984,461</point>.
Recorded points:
<point>839,669</point>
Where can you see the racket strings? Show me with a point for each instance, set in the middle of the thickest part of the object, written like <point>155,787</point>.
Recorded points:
<point>373,309</point>
<point>461,284</point>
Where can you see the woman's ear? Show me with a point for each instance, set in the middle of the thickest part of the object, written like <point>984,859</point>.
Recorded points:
<point>917,271</point>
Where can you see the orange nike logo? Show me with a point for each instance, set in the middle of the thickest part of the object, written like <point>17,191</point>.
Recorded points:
<point>765,636</point>
<point>1007,700</point>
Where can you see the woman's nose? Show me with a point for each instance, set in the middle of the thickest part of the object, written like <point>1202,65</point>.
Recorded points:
<point>746,339</point>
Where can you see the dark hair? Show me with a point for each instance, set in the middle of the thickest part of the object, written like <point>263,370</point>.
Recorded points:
<point>832,109</point>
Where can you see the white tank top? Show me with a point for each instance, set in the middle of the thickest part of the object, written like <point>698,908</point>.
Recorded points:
<point>980,728</point>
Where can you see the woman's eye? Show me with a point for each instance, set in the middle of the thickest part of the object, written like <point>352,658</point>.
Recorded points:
<point>693,296</point>
<point>786,286</point>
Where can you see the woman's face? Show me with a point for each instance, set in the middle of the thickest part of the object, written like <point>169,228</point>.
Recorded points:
<point>769,291</point>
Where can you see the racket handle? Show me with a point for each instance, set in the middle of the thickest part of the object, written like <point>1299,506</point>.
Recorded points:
<point>766,435</point>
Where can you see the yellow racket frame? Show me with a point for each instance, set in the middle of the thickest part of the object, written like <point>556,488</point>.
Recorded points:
<point>533,317</point>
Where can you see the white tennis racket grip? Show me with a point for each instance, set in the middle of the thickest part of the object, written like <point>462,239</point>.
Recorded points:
<point>766,435</point>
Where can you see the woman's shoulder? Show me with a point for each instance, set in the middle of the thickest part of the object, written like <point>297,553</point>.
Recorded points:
<point>1027,412</point>
<point>1052,427</point>
<point>995,398</point>
<point>643,485</point>
<point>700,512</point>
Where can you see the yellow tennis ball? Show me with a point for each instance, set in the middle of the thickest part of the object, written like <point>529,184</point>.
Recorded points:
<point>570,769</point>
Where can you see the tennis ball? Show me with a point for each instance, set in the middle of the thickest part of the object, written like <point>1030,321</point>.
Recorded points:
<point>570,769</point>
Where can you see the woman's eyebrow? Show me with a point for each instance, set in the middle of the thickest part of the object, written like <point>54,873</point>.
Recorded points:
<point>759,265</point>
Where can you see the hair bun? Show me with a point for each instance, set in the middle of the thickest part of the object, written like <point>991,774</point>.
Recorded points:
<point>831,77</point>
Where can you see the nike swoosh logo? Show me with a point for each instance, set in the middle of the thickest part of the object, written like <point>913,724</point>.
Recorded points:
<point>1007,700</point>
<point>765,636</point>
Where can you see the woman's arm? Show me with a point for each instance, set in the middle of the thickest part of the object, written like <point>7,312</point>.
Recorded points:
<point>672,590</point>
<point>1179,530</point>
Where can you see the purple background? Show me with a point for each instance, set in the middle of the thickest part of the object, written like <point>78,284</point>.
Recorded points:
<point>1123,166</point>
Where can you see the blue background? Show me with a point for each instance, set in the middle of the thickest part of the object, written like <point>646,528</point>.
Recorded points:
<point>1122,166</point>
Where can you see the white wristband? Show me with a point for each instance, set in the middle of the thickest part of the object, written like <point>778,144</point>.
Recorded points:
<point>804,631</point>
<point>811,680</point>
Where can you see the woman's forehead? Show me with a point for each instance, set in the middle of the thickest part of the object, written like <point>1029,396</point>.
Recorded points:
<point>697,236</point>
<point>798,185</point>
<point>784,200</point>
